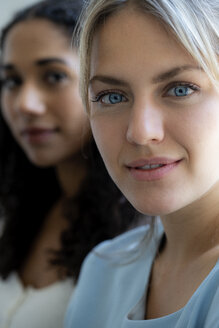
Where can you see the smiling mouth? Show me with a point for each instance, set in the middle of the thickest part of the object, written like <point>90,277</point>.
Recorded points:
<point>142,171</point>
<point>150,166</point>
<point>35,131</point>
<point>38,135</point>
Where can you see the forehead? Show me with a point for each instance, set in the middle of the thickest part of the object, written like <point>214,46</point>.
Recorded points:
<point>33,38</point>
<point>131,39</point>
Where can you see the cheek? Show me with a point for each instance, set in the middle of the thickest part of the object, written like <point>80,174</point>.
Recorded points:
<point>99,135</point>
<point>107,132</point>
<point>68,104</point>
<point>199,135</point>
<point>7,112</point>
<point>197,127</point>
<point>104,137</point>
<point>72,96</point>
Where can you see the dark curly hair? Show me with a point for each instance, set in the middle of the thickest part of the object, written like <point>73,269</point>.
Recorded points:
<point>27,193</point>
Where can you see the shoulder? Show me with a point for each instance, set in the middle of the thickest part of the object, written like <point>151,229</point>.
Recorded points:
<point>124,242</point>
<point>123,249</point>
<point>113,269</point>
<point>202,310</point>
<point>211,301</point>
<point>129,240</point>
<point>113,251</point>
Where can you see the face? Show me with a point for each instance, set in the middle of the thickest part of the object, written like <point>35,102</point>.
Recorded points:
<point>40,97</point>
<point>154,115</point>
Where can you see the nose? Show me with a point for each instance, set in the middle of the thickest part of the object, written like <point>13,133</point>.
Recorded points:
<point>30,100</point>
<point>146,124</point>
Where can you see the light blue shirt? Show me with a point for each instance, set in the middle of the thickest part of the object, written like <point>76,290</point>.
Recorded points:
<point>112,288</point>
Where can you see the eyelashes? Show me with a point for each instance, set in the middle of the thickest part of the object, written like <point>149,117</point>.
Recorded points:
<point>181,89</point>
<point>10,82</point>
<point>109,97</point>
<point>55,77</point>
<point>176,90</point>
<point>49,78</point>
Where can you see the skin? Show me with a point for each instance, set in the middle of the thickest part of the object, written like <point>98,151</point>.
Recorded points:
<point>40,90</point>
<point>137,111</point>
<point>40,93</point>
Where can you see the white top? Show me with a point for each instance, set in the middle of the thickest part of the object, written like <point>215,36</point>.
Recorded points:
<point>33,308</point>
<point>112,289</point>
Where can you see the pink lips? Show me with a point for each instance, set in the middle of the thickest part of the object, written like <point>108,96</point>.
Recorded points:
<point>37,135</point>
<point>157,168</point>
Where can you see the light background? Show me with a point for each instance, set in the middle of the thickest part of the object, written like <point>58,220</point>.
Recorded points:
<point>9,7</point>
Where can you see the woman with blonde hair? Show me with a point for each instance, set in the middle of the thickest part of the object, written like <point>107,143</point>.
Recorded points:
<point>149,80</point>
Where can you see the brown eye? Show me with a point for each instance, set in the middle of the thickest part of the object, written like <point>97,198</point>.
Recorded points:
<point>11,82</point>
<point>55,77</point>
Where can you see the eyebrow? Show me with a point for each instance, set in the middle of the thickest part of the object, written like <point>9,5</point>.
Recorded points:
<point>46,61</point>
<point>173,72</point>
<point>40,62</point>
<point>157,79</point>
<point>108,80</point>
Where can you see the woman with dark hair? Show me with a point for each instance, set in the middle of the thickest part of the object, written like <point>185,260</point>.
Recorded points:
<point>57,200</point>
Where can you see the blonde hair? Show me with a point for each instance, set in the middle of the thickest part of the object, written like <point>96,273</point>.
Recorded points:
<point>195,24</point>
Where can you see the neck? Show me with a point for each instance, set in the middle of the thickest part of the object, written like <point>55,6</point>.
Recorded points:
<point>194,230</point>
<point>70,174</point>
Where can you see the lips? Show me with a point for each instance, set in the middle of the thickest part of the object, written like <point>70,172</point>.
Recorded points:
<point>152,169</point>
<point>38,134</point>
<point>151,166</point>
<point>152,161</point>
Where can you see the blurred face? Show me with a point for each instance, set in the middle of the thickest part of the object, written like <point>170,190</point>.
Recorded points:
<point>40,97</point>
<point>154,115</point>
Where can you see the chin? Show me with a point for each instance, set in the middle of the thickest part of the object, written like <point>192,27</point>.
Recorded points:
<point>41,162</point>
<point>156,206</point>
<point>155,210</point>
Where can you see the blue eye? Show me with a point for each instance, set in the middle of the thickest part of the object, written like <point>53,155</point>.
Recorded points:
<point>181,91</point>
<point>110,98</point>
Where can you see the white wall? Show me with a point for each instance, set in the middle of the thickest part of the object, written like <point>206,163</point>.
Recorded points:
<point>9,7</point>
